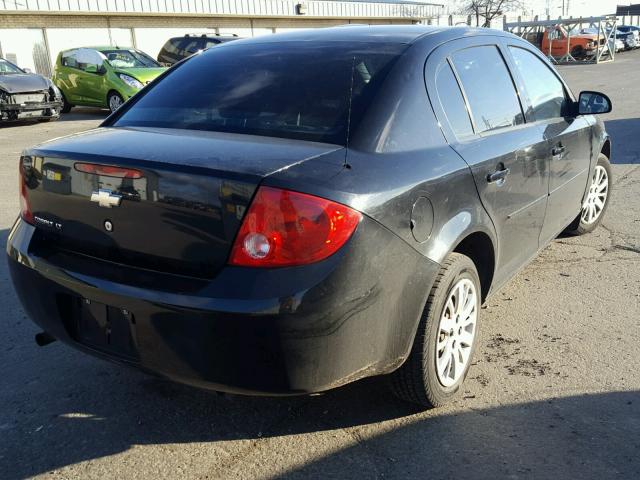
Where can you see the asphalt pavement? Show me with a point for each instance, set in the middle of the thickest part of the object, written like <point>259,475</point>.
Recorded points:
<point>554,391</point>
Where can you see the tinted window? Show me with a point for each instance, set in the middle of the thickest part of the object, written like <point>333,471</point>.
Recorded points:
<point>211,43</point>
<point>487,83</point>
<point>191,45</point>
<point>275,89</point>
<point>545,90</point>
<point>172,45</point>
<point>452,101</point>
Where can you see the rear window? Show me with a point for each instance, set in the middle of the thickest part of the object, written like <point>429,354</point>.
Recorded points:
<point>172,45</point>
<point>272,89</point>
<point>452,101</point>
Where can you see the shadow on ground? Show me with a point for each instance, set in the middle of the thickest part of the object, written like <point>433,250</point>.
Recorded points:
<point>624,138</point>
<point>84,113</point>
<point>96,410</point>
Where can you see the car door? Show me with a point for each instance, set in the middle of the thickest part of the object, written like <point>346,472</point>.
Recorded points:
<point>559,46</point>
<point>91,80</point>
<point>568,137</point>
<point>506,154</point>
<point>67,77</point>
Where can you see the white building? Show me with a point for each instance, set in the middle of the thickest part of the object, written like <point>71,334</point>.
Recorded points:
<point>32,32</point>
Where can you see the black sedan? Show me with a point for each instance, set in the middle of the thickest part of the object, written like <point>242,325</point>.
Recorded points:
<point>337,204</point>
<point>25,96</point>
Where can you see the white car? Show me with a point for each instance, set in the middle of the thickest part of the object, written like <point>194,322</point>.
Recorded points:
<point>631,29</point>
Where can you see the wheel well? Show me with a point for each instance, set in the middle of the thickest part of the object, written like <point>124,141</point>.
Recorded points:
<point>479,248</point>
<point>113,90</point>
<point>606,148</point>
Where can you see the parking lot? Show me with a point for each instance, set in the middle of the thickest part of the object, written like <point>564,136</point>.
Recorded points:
<point>554,392</point>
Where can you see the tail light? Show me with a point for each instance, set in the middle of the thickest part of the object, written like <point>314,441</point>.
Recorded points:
<point>25,206</point>
<point>285,228</point>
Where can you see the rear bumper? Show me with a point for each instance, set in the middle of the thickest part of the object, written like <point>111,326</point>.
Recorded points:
<point>14,112</point>
<point>254,331</point>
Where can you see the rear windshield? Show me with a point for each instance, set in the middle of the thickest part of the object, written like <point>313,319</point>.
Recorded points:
<point>289,90</point>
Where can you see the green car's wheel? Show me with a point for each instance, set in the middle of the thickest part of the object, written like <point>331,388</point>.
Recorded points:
<point>114,101</point>
<point>66,106</point>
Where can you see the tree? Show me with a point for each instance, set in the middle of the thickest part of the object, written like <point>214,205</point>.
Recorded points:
<point>490,9</point>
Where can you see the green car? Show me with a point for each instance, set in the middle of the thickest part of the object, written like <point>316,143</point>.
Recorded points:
<point>102,76</point>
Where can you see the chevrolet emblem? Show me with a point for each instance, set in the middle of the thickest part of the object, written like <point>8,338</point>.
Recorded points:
<point>106,198</point>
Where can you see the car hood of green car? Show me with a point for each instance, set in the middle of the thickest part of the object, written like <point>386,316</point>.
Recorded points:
<point>143,75</point>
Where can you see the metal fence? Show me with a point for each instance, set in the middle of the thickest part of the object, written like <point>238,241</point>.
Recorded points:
<point>554,38</point>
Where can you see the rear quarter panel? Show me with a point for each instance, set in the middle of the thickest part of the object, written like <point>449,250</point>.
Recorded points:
<point>397,155</point>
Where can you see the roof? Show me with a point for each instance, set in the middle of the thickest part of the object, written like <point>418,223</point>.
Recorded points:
<point>101,48</point>
<point>206,35</point>
<point>354,33</point>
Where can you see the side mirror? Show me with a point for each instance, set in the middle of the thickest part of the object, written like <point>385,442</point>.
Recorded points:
<point>592,103</point>
<point>27,70</point>
<point>90,68</point>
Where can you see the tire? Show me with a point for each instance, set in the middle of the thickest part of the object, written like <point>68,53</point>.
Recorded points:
<point>577,52</point>
<point>66,106</point>
<point>419,380</point>
<point>584,222</point>
<point>114,101</point>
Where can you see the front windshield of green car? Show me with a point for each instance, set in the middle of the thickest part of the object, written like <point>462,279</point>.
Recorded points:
<point>7,68</point>
<point>125,58</point>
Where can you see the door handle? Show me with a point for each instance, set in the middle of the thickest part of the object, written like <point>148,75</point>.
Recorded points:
<point>498,175</point>
<point>558,151</point>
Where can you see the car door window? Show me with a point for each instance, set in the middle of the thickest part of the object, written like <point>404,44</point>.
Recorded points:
<point>69,59</point>
<point>452,101</point>
<point>488,87</point>
<point>546,92</point>
<point>89,60</point>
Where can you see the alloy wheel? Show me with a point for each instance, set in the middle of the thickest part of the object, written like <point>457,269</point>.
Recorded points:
<point>456,332</point>
<point>115,102</point>
<point>597,196</point>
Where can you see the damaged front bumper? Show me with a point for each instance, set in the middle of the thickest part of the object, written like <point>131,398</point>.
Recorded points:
<point>13,109</point>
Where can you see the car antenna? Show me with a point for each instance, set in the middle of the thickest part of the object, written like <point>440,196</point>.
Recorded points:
<point>346,149</point>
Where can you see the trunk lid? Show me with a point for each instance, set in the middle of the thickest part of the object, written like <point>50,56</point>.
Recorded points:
<point>163,200</point>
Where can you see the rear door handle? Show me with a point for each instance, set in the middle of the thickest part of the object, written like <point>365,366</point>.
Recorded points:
<point>558,151</point>
<point>498,175</point>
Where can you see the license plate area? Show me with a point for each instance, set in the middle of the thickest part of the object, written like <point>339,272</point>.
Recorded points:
<point>103,327</point>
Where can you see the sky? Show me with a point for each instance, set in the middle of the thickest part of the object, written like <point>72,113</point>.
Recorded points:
<point>576,8</point>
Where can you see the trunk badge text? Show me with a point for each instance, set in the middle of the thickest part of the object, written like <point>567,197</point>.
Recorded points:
<point>47,223</point>
<point>106,198</point>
